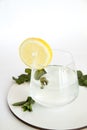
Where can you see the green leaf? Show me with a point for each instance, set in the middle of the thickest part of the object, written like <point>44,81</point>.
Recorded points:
<point>85,82</point>
<point>27,70</point>
<point>85,77</point>
<point>39,73</point>
<point>30,108</point>
<point>43,82</point>
<point>18,103</point>
<point>79,74</point>
<point>82,79</point>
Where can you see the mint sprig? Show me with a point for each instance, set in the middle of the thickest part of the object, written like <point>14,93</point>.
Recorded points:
<point>25,105</point>
<point>23,77</point>
<point>39,73</point>
<point>82,79</point>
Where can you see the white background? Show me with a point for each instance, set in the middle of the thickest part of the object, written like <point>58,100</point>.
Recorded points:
<point>62,23</point>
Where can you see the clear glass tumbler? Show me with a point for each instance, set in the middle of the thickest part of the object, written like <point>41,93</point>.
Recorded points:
<point>56,84</point>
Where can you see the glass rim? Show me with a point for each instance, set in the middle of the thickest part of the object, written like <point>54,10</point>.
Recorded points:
<point>65,51</point>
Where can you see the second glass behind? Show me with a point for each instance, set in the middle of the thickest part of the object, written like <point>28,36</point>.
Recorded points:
<point>56,84</point>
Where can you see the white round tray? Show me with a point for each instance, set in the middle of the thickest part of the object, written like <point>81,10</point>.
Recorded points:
<point>70,116</point>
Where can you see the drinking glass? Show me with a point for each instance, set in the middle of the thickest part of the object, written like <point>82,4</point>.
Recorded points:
<point>57,83</point>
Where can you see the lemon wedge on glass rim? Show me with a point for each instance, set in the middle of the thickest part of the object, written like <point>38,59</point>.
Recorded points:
<point>35,53</point>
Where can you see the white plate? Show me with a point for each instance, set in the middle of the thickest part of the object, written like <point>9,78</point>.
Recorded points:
<point>71,116</point>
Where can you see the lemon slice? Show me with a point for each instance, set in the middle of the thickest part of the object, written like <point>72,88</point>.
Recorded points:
<point>35,53</point>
